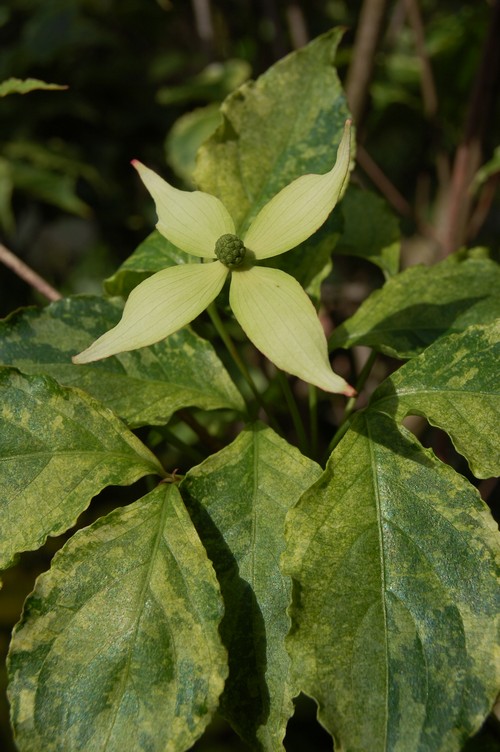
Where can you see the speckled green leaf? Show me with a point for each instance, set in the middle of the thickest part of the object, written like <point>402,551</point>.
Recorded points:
<point>118,648</point>
<point>58,449</point>
<point>143,387</point>
<point>370,230</point>
<point>421,304</point>
<point>287,123</point>
<point>238,500</point>
<point>454,383</point>
<point>152,255</point>
<point>396,561</point>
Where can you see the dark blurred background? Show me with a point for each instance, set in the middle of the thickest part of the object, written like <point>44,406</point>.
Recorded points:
<point>144,79</point>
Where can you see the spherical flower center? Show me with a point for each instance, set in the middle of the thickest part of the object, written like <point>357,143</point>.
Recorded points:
<point>230,250</point>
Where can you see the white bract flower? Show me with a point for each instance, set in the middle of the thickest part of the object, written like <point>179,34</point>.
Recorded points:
<point>270,305</point>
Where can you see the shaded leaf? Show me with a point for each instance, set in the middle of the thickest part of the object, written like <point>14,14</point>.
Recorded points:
<point>454,384</point>
<point>238,499</point>
<point>144,387</point>
<point>58,449</point>
<point>152,255</point>
<point>370,230</point>
<point>287,123</point>
<point>422,304</point>
<point>118,648</point>
<point>395,561</point>
<point>24,86</point>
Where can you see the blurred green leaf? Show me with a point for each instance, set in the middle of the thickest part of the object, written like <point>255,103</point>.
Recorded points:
<point>238,499</point>
<point>59,448</point>
<point>49,186</point>
<point>215,82</point>
<point>421,304</point>
<point>454,384</point>
<point>143,387</point>
<point>395,560</point>
<point>24,86</point>
<point>118,647</point>
<point>187,135</point>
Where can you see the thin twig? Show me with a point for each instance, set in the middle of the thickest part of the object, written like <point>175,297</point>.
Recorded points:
<point>27,274</point>
<point>203,21</point>
<point>390,192</point>
<point>297,26</point>
<point>360,71</point>
<point>482,209</point>
<point>429,94</point>
<point>469,152</point>
<point>382,182</point>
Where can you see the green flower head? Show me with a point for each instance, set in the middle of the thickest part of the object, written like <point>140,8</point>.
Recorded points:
<point>270,305</point>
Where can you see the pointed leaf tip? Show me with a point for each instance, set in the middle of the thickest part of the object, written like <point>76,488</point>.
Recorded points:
<point>158,307</point>
<point>299,209</point>
<point>278,317</point>
<point>191,220</point>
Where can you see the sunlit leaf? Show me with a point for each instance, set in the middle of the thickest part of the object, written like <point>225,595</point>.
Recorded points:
<point>454,384</point>
<point>395,622</point>
<point>238,499</point>
<point>59,447</point>
<point>118,648</point>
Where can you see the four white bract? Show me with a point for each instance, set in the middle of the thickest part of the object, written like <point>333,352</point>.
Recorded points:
<point>270,305</point>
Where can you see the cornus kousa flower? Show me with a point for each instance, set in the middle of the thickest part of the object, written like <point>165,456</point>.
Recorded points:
<point>270,305</point>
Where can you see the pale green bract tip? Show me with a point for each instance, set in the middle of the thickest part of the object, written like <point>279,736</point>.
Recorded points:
<point>191,220</point>
<point>297,211</point>
<point>278,317</point>
<point>159,306</point>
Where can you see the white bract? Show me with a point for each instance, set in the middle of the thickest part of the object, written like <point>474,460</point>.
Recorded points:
<point>270,305</point>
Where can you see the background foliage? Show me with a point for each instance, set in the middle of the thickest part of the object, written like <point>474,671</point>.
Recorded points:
<point>144,82</point>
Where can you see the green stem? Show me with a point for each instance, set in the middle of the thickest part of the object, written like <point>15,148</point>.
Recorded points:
<point>351,402</point>
<point>294,412</point>
<point>233,352</point>
<point>313,419</point>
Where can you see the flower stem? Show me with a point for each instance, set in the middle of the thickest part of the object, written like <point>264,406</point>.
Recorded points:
<point>313,419</point>
<point>233,352</point>
<point>351,402</point>
<point>294,412</point>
